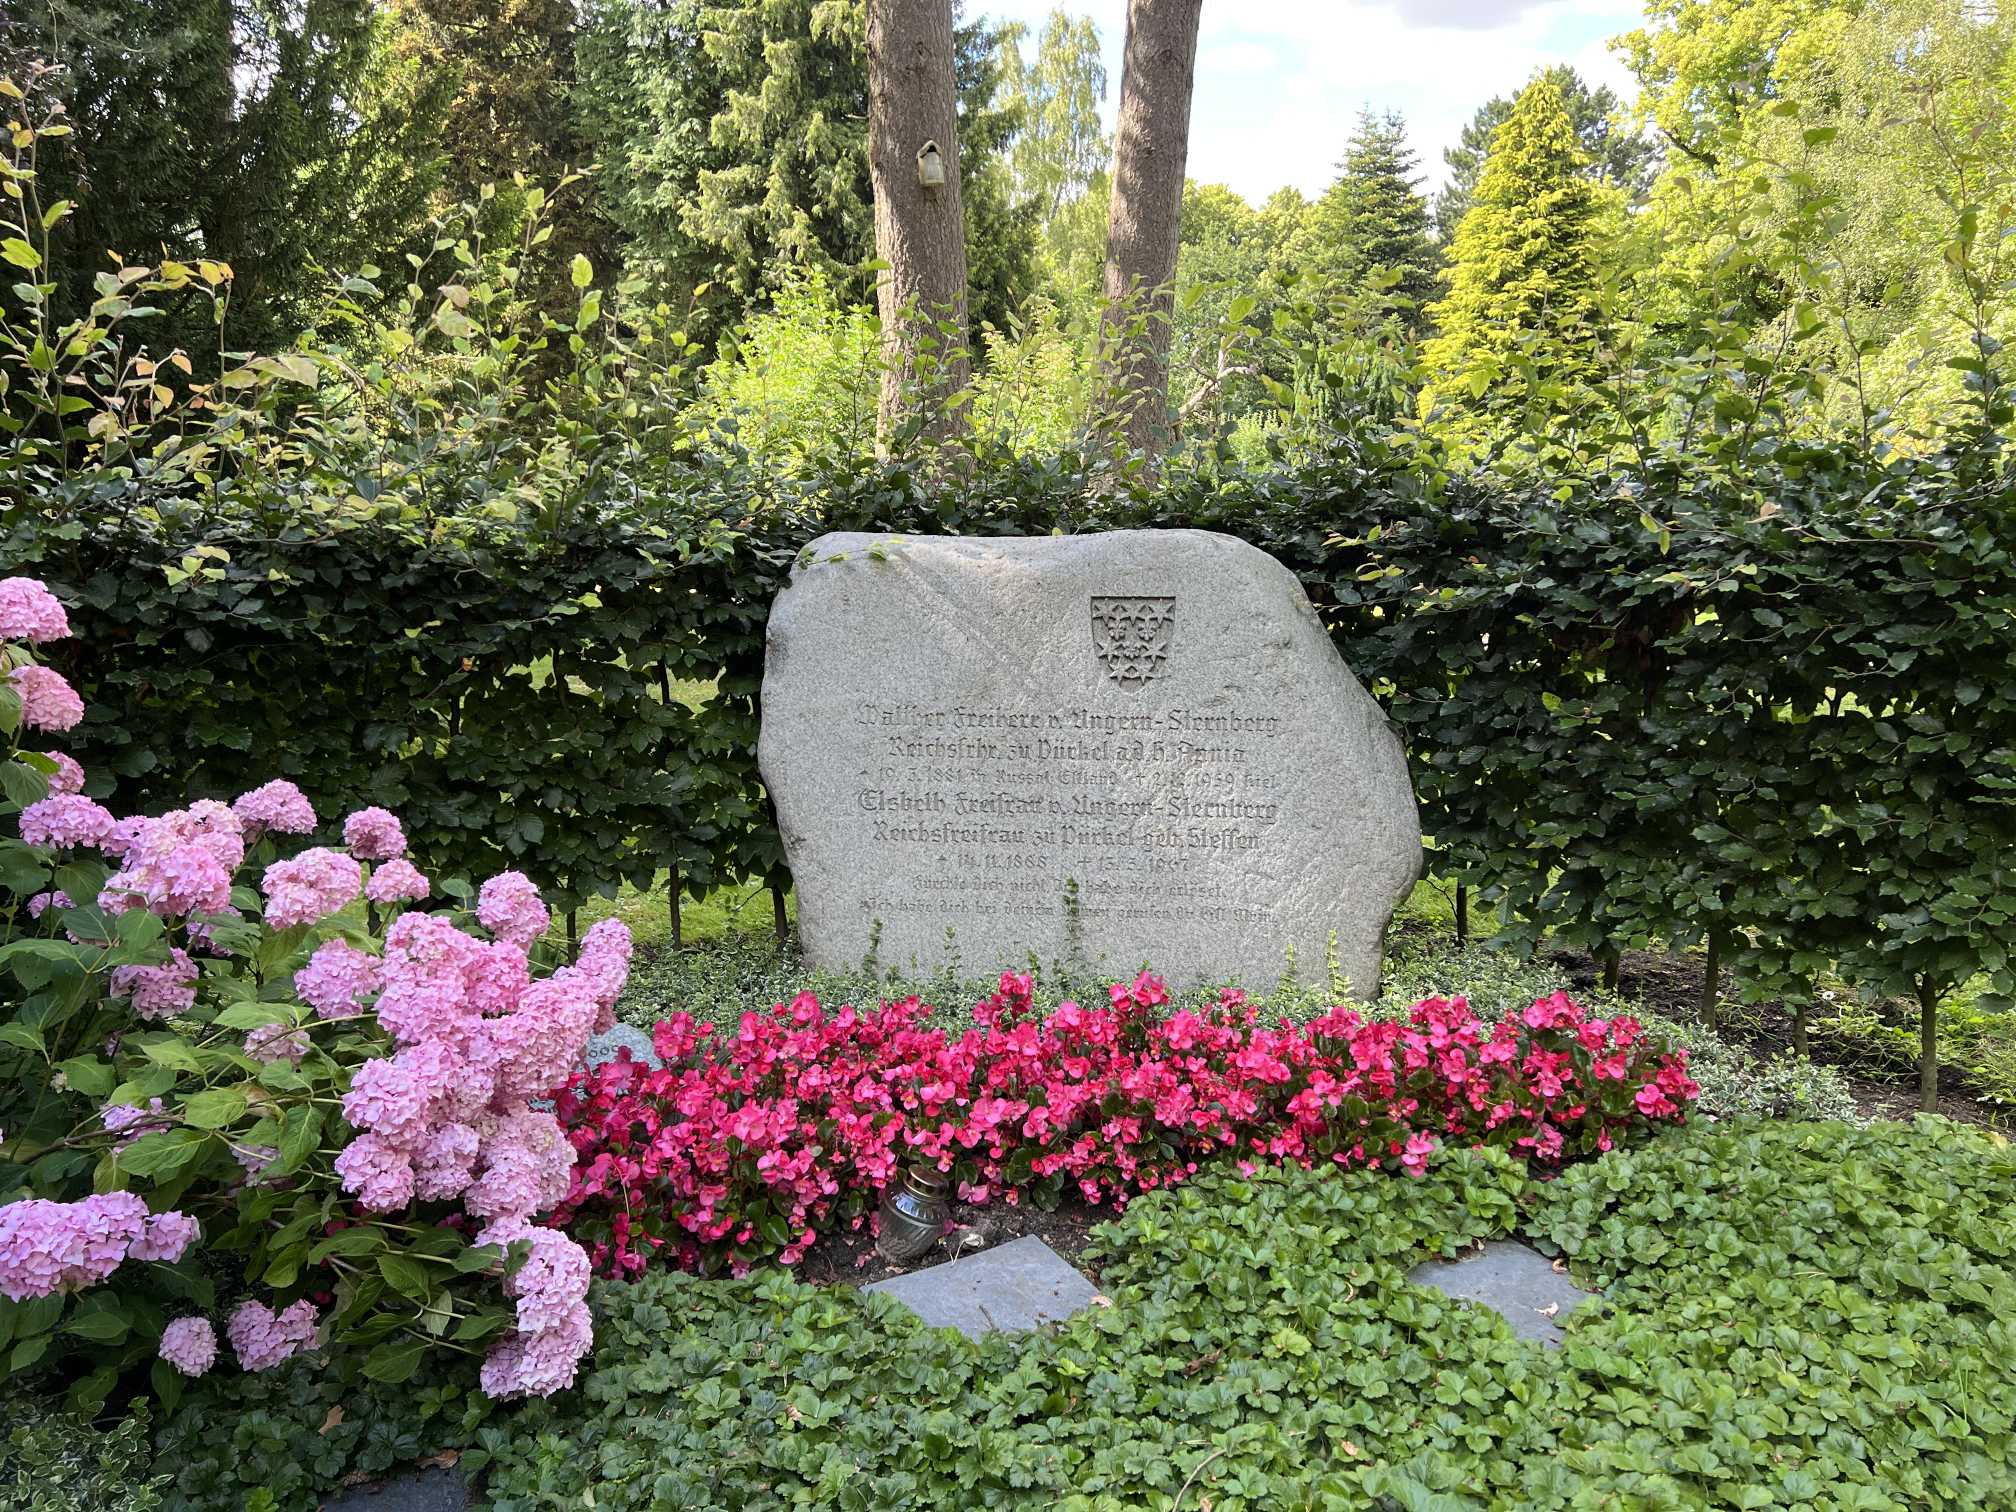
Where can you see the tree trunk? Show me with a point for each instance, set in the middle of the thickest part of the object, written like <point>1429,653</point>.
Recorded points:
<point>920,230</point>
<point>673,889</point>
<point>1711,981</point>
<point>1462,916</point>
<point>1149,148</point>
<point>1613,967</point>
<point>1928,1046</point>
<point>779,920</point>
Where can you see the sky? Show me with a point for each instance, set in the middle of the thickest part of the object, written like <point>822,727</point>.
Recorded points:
<point>1280,82</point>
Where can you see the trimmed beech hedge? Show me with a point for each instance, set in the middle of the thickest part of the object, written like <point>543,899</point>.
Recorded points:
<point>1772,711</point>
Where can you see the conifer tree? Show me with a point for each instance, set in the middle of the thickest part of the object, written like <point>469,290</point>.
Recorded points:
<point>1523,277</point>
<point>733,139</point>
<point>1372,217</point>
<point>1619,155</point>
<point>281,138</point>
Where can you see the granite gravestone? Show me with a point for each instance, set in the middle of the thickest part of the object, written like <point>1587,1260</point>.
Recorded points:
<point>1102,751</point>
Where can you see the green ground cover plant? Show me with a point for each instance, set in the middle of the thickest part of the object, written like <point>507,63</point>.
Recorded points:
<point>1797,1315</point>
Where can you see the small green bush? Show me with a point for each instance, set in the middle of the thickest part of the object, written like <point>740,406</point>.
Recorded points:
<point>295,1432</point>
<point>53,1462</point>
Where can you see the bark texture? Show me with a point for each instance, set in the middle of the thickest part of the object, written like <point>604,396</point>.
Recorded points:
<point>920,232</point>
<point>1149,151</point>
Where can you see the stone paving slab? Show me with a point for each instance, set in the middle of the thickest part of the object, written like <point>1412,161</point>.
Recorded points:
<point>436,1489</point>
<point>1514,1280</point>
<point>1014,1287</point>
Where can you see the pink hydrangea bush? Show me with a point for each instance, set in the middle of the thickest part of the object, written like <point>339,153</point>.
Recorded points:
<point>376,1125</point>
<point>753,1142</point>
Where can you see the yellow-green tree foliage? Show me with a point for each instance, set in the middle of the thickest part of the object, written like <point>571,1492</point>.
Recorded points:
<point>1521,313</point>
<point>1839,189</point>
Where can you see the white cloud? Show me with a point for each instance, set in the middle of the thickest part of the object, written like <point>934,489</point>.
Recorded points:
<point>1471,15</point>
<point>1280,83</point>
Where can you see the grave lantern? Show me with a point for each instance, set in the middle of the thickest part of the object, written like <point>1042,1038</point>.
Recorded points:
<point>914,1210</point>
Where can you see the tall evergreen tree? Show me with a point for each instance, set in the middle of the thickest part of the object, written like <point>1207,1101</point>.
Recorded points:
<point>1617,156</point>
<point>279,136</point>
<point>1523,276</point>
<point>1372,217</point>
<point>733,139</point>
<point>505,69</point>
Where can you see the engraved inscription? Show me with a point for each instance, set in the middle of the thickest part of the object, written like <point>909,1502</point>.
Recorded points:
<point>1131,637</point>
<point>994,810</point>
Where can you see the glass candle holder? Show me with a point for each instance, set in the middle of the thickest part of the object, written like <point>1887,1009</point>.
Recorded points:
<point>914,1210</point>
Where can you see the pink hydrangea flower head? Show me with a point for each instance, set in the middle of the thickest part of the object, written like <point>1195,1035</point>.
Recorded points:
<point>395,1097</point>
<point>373,834</point>
<point>510,908</point>
<point>178,864</point>
<point>158,992</point>
<point>447,1161</point>
<point>30,612</point>
<point>495,977</point>
<point>426,997</point>
<point>48,702</point>
<point>130,1121</point>
<point>64,821</point>
<point>550,1282</point>
<point>310,886</point>
<point>190,1345</point>
<point>68,776</point>
<point>337,979</point>
<point>378,1173</point>
<point>530,1050</point>
<point>167,1237</point>
<point>538,1364</point>
<point>49,1247</point>
<point>605,964</point>
<point>44,901</point>
<point>122,836</point>
<point>269,1043</point>
<point>262,1339</point>
<point>396,881</point>
<point>525,1168</point>
<point>188,880</point>
<point>276,807</point>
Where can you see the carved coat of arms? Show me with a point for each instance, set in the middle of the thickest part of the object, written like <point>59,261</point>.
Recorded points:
<point>1131,637</point>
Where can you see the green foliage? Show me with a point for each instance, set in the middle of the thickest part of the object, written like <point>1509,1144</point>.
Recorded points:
<point>1837,210</point>
<point>1618,156</point>
<point>51,1462</point>
<point>299,1430</point>
<point>733,138</point>
<point>1867,1275</point>
<point>1520,320</point>
<point>800,379</point>
<point>1060,144</point>
<point>1369,231</point>
<point>1797,1314</point>
<point>280,139</point>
